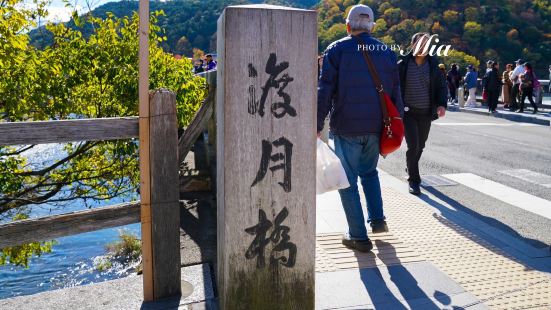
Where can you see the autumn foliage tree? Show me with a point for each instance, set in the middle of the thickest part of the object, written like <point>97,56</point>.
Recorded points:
<point>505,30</point>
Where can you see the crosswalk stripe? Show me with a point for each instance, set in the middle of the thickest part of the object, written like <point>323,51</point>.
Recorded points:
<point>504,193</point>
<point>529,176</point>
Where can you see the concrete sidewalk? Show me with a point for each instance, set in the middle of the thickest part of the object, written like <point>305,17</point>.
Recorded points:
<point>541,118</point>
<point>434,257</point>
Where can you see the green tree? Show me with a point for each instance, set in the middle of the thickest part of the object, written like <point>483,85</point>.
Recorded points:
<point>384,6</point>
<point>393,16</point>
<point>460,58</point>
<point>380,27</point>
<point>437,28</point>
<point>183,46</point>
<point>334,33</point>
<point>80,77</point>
<point>472,14</point>
<point>532,34</point>
<point>452,20</point>
<point>472,33</point>
<point>403,32</point>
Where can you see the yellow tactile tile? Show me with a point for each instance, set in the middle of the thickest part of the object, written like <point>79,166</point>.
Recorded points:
<point>387,250</point>
<point>495,277</point>
<point>418,233</point>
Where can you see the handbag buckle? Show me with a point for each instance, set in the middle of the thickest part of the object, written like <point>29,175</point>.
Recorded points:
<point>388,131</point>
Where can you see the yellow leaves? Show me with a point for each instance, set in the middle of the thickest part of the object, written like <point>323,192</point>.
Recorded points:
<point>21,255</point>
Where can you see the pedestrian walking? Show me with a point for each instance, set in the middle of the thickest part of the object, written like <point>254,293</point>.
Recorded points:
<point>527,88</point>
<point>424,91</point>
<point>507,85</point>
<point>483,82</point>
<point>347,89</point>
<point>211,64</point>
<point>549,79</point>
<point>198,68</point>
<point>492,84</point>
<point>453,79</point>
<point>470,82</point>
<point>515,90</point>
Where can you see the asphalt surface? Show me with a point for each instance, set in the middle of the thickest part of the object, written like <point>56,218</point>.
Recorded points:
<point>483,145</point>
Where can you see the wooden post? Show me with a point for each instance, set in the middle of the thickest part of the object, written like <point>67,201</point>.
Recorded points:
<point>161,218</point>
<point>266,112</point>
<point>145,198</point>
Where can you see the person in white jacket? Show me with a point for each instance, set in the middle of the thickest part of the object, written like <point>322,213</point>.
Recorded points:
<point>515,78</point>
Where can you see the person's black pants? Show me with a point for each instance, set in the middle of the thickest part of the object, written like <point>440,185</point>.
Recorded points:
<point>528,92</point>
<point>514,97</point>
<point>417,128</point>
<point>493,96</point>
<point>453,92</point>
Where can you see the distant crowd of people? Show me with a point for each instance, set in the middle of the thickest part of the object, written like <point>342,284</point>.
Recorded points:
<point>203,64</point>
<point>513,86</point>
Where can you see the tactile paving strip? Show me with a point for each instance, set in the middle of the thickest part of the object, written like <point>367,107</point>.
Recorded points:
<point>495,277</point>
<point>388,250</point>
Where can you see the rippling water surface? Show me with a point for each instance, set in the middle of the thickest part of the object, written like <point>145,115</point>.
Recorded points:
<point>72,259</point>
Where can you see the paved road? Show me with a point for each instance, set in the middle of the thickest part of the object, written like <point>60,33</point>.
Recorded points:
<point>502,169</point>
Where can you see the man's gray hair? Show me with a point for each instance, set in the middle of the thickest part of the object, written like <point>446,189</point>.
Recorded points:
<point>361,24</point>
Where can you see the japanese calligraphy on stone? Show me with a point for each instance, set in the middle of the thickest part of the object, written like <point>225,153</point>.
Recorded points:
<point>283,251</point>
<point>276,156</point>
<point>278,108</point>
<point>281,160</point>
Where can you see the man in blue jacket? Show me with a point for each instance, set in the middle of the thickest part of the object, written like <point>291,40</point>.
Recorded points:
<point>347,91</point>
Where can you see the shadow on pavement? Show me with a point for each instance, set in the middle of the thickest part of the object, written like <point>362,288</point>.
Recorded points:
<point>165,304</point>
<point>382,297</point>
<point>198,236</point>
<point>449,215</point>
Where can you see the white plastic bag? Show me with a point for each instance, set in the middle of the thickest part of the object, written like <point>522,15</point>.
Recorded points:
<point>330,174</point>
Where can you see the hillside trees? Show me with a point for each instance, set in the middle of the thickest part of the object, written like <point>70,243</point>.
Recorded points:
<point>501,30</point>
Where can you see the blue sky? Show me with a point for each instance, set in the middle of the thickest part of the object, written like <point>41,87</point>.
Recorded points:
<point>59,12</point>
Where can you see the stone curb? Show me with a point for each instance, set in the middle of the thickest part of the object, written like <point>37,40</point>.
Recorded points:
<point>508,116</point>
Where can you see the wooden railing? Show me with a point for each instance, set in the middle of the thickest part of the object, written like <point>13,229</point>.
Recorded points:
<point>158,210</point>
<point>159,214</point>
<point>202,118</point>
<point>55,226</point>
<point>203,124</point>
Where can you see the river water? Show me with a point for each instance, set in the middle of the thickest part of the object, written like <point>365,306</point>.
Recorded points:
<point>71,261</point>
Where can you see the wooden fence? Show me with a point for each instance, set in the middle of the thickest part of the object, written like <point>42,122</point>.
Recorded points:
<point>158,210</point>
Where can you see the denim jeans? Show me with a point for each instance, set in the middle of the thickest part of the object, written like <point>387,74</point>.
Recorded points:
<point>359,156</point>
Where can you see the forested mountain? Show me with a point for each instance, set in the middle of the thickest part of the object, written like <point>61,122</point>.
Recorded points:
<point>187,23</point>
<point>503,30</point>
